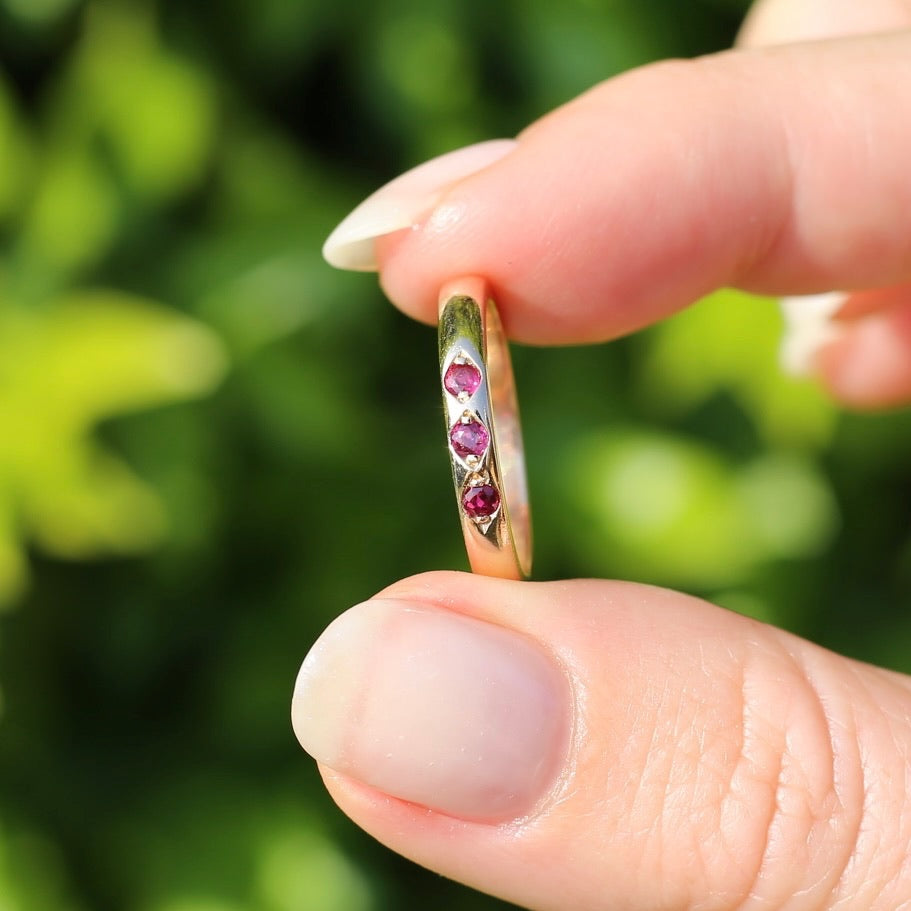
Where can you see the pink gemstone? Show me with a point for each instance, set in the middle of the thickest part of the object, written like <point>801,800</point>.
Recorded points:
<point>470,438</point>
<point>481,502</point>
<point>462,378</point>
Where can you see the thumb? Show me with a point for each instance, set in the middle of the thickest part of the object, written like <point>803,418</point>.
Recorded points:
<point>594,745</point>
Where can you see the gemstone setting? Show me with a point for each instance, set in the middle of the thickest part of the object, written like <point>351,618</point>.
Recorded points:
<point>480,502</point>
<point>469,438</point>
<point>462,379</point>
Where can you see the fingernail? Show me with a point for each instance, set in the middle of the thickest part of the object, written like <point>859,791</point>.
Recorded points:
<point>403,202</point>
<point>432,707</point>
<point>809,327</point>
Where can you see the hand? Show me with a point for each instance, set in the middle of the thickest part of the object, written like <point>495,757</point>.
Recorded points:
<point>593,745</point>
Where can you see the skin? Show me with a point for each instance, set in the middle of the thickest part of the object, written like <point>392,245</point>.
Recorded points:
<point>788,169</point>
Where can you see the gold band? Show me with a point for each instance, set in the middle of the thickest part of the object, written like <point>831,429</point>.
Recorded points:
<point>483,433</point>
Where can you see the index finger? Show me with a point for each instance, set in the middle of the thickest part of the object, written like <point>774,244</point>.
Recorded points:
<point>781,171</point>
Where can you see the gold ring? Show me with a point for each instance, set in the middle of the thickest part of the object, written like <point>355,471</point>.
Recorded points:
<point>483,433</point>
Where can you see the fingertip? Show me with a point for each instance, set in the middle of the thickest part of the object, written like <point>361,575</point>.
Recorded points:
<point>404,202</point>
<point>868,365</point>
<point>428,705</point>
<point>415,299</point>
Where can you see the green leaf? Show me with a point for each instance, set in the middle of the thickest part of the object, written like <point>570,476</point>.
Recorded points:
<point>658,509</point>
<point>38,13</point>
<point>154,109</point>
<point>64,369</point>
<point>729,342</point>
<point>15,156</point>
<point>304,869</point>
<point>32,874</point>
<point>73,216</point>
<point>661,508</point>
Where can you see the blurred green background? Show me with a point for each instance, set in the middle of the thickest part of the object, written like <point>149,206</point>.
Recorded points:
<point>200,422</point>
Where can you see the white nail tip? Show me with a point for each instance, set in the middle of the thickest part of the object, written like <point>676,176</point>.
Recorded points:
<point>404,201</point>
<point>809,327</point>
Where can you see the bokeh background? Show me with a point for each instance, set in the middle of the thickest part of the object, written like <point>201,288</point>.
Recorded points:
<point>211,443</point>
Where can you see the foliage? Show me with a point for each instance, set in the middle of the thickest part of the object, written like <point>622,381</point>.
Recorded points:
<point>205,429</point>
<point>65,367</point>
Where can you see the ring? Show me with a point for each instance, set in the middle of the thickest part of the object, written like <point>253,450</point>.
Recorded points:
<point>483,434</point>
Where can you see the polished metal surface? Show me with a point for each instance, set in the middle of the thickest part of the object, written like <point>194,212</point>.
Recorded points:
<point>470,333</point>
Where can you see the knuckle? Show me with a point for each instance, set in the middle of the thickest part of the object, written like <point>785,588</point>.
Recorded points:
<point>802,815</point>
<point>774,775</point>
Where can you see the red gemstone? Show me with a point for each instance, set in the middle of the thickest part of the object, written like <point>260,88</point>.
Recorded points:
<point>462,378</point>
<point>481,501</point>
<point>470,438</point>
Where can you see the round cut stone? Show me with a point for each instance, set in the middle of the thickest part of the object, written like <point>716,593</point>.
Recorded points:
<point>481,502</point>
<point>469,438</point>
<point>462,379</point>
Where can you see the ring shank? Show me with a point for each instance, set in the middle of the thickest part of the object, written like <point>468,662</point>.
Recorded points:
<point>508,432</point>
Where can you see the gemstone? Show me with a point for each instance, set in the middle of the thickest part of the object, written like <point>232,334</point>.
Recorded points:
<point>469,438</point>
<point>481,502</point>
<point>462,379</point>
